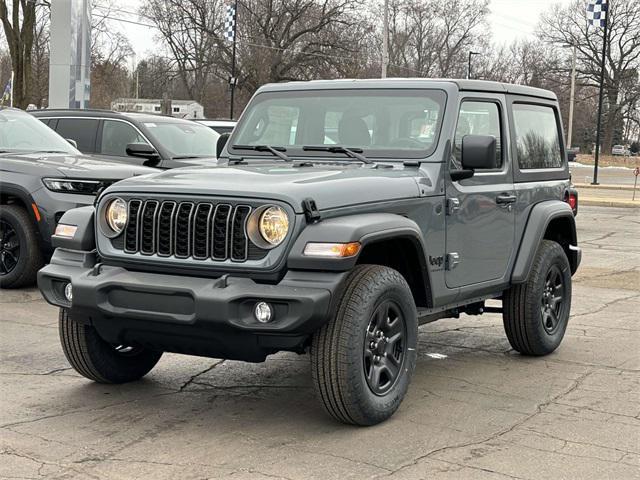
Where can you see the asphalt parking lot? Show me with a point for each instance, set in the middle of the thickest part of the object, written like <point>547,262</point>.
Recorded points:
<point>475,409</point>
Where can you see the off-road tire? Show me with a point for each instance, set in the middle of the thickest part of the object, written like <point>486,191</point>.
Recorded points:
<point>30,257</point>
<point>97,360</point>
<point>337,357</point>
<point>522,313</point>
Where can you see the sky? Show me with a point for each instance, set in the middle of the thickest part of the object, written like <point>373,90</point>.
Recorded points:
<point>509,20</point>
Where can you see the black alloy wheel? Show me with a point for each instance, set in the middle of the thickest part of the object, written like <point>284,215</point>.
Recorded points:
<point>384,347</point>
<point>552,300</point>
<point>9,248</point>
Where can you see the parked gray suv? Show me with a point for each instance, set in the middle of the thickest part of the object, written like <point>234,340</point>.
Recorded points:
<point>349,213</point>
<point>42,176</point>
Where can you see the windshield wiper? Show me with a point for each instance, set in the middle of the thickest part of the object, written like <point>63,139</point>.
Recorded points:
<point>351,152</point>
<point>277,151</point>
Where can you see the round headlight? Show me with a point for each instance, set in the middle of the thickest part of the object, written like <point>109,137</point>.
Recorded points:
<point>274,225</point>
<point>116,215</point>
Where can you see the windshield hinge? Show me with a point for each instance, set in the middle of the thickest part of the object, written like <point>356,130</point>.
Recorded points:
<point>311,211</point>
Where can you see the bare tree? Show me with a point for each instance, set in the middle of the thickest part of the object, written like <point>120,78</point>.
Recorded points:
<point>18,23</point>
<point>191,29</point>
<point>432,38</point>
<point>567,27</point>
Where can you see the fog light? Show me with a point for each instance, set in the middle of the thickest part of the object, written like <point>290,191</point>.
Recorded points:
<point>68,292</point>
<point>263,312</point>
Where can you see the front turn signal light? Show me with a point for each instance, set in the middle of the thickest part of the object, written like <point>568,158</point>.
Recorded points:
<point>65,231</point>
<point>332,250</point>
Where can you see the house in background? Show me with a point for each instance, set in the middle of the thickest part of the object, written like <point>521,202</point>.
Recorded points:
<point>188,109</point>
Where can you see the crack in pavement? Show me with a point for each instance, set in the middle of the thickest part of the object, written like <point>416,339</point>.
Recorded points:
<point>605,306</point>
<point>538,410</point>
<point>193,377</point>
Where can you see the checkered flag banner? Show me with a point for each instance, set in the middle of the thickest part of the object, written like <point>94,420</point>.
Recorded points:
<point>230,23</point>
<point>597,12</point>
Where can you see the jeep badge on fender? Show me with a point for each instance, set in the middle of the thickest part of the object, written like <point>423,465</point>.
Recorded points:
<point>342,216</point>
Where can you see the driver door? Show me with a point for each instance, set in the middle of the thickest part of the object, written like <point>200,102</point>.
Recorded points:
<point>480,221</point>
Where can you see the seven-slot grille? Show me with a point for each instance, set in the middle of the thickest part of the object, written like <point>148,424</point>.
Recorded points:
<point>195,230</point>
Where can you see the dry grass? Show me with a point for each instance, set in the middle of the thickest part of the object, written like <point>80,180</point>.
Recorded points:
<point>609,160</point>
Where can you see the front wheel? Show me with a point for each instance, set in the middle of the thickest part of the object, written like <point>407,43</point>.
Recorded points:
<point>100,361</point>
<point>364,357</point>
<point>20,256</point>
<point>536,313</point>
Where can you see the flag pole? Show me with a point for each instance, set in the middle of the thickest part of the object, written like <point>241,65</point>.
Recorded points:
<point>601,94</point>
<point>233,59</point>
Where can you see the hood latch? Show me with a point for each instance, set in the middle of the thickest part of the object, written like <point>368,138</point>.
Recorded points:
<point>311,211</point>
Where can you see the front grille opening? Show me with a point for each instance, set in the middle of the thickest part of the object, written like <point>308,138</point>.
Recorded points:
<point>148,228</point>
<point>220,229</point>
<point>131,230</point>
<point>201,221</point>
<point>239,240</point>
<point>165,228</point>
<point>183,230</point>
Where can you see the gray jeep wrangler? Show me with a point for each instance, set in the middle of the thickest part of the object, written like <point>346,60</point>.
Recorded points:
<point>341,216</point>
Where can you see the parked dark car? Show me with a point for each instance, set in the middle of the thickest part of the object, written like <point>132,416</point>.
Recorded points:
<point>141,139</point>
<point>572,153</point>
<point>42,176</point>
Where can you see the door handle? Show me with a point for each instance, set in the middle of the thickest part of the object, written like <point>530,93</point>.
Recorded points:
<point>505,199</point>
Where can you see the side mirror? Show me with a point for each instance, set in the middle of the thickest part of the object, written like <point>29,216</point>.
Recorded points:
<point>478,152</point>
<point>222,141</point>
<point>142,150</point>
<point>73,143</point>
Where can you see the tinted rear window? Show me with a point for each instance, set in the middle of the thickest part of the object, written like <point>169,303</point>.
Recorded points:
<point>83,131</point>
<point>537,139</point>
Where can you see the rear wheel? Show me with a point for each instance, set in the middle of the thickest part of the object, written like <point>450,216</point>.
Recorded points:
<point>20,256</point>
<point>100,361</point>
<point>536,313</point>
<point>363,358</point>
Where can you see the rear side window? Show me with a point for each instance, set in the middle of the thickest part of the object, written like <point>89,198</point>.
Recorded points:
<point>537,139</point>
<point>116,136</point>
<point>83,131</point>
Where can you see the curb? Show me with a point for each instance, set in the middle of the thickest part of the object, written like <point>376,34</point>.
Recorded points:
<point>604,187</point>
<point>607,202</point>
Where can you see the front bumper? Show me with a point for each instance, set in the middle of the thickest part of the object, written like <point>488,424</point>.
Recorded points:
<point>201,316</point>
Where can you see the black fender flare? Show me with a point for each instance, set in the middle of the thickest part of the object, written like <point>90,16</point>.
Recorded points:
<point>541,215</point>
<point>365,228</point>
<point>84,238</point>
<point>20,193</point>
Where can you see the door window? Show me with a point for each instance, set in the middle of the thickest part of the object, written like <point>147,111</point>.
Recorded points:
<point>477,118</point>
<point>82,130</point>
<point>115,137</point>
<point>537,139</point>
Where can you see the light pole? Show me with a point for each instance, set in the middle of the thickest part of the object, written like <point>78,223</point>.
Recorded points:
<point>572,96</point>
<point>469,65</point>
<point>385,40</point>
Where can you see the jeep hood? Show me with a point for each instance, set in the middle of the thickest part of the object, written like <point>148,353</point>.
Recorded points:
<point>330,186</point>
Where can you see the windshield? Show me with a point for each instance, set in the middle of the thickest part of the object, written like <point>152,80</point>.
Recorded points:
<point>383,123</point>
<point>184,139</point>
<point>20,132</point>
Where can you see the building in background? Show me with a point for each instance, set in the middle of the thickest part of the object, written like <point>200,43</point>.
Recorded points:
<point>189,109</point>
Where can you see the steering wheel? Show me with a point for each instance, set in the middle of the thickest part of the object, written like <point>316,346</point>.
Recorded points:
<point>407,142</point>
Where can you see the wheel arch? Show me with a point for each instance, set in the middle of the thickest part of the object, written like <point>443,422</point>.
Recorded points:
<point>551,220</point>
<point>387,239</point>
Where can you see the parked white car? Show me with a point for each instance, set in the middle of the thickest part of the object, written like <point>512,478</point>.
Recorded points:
<point>619,150</point>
